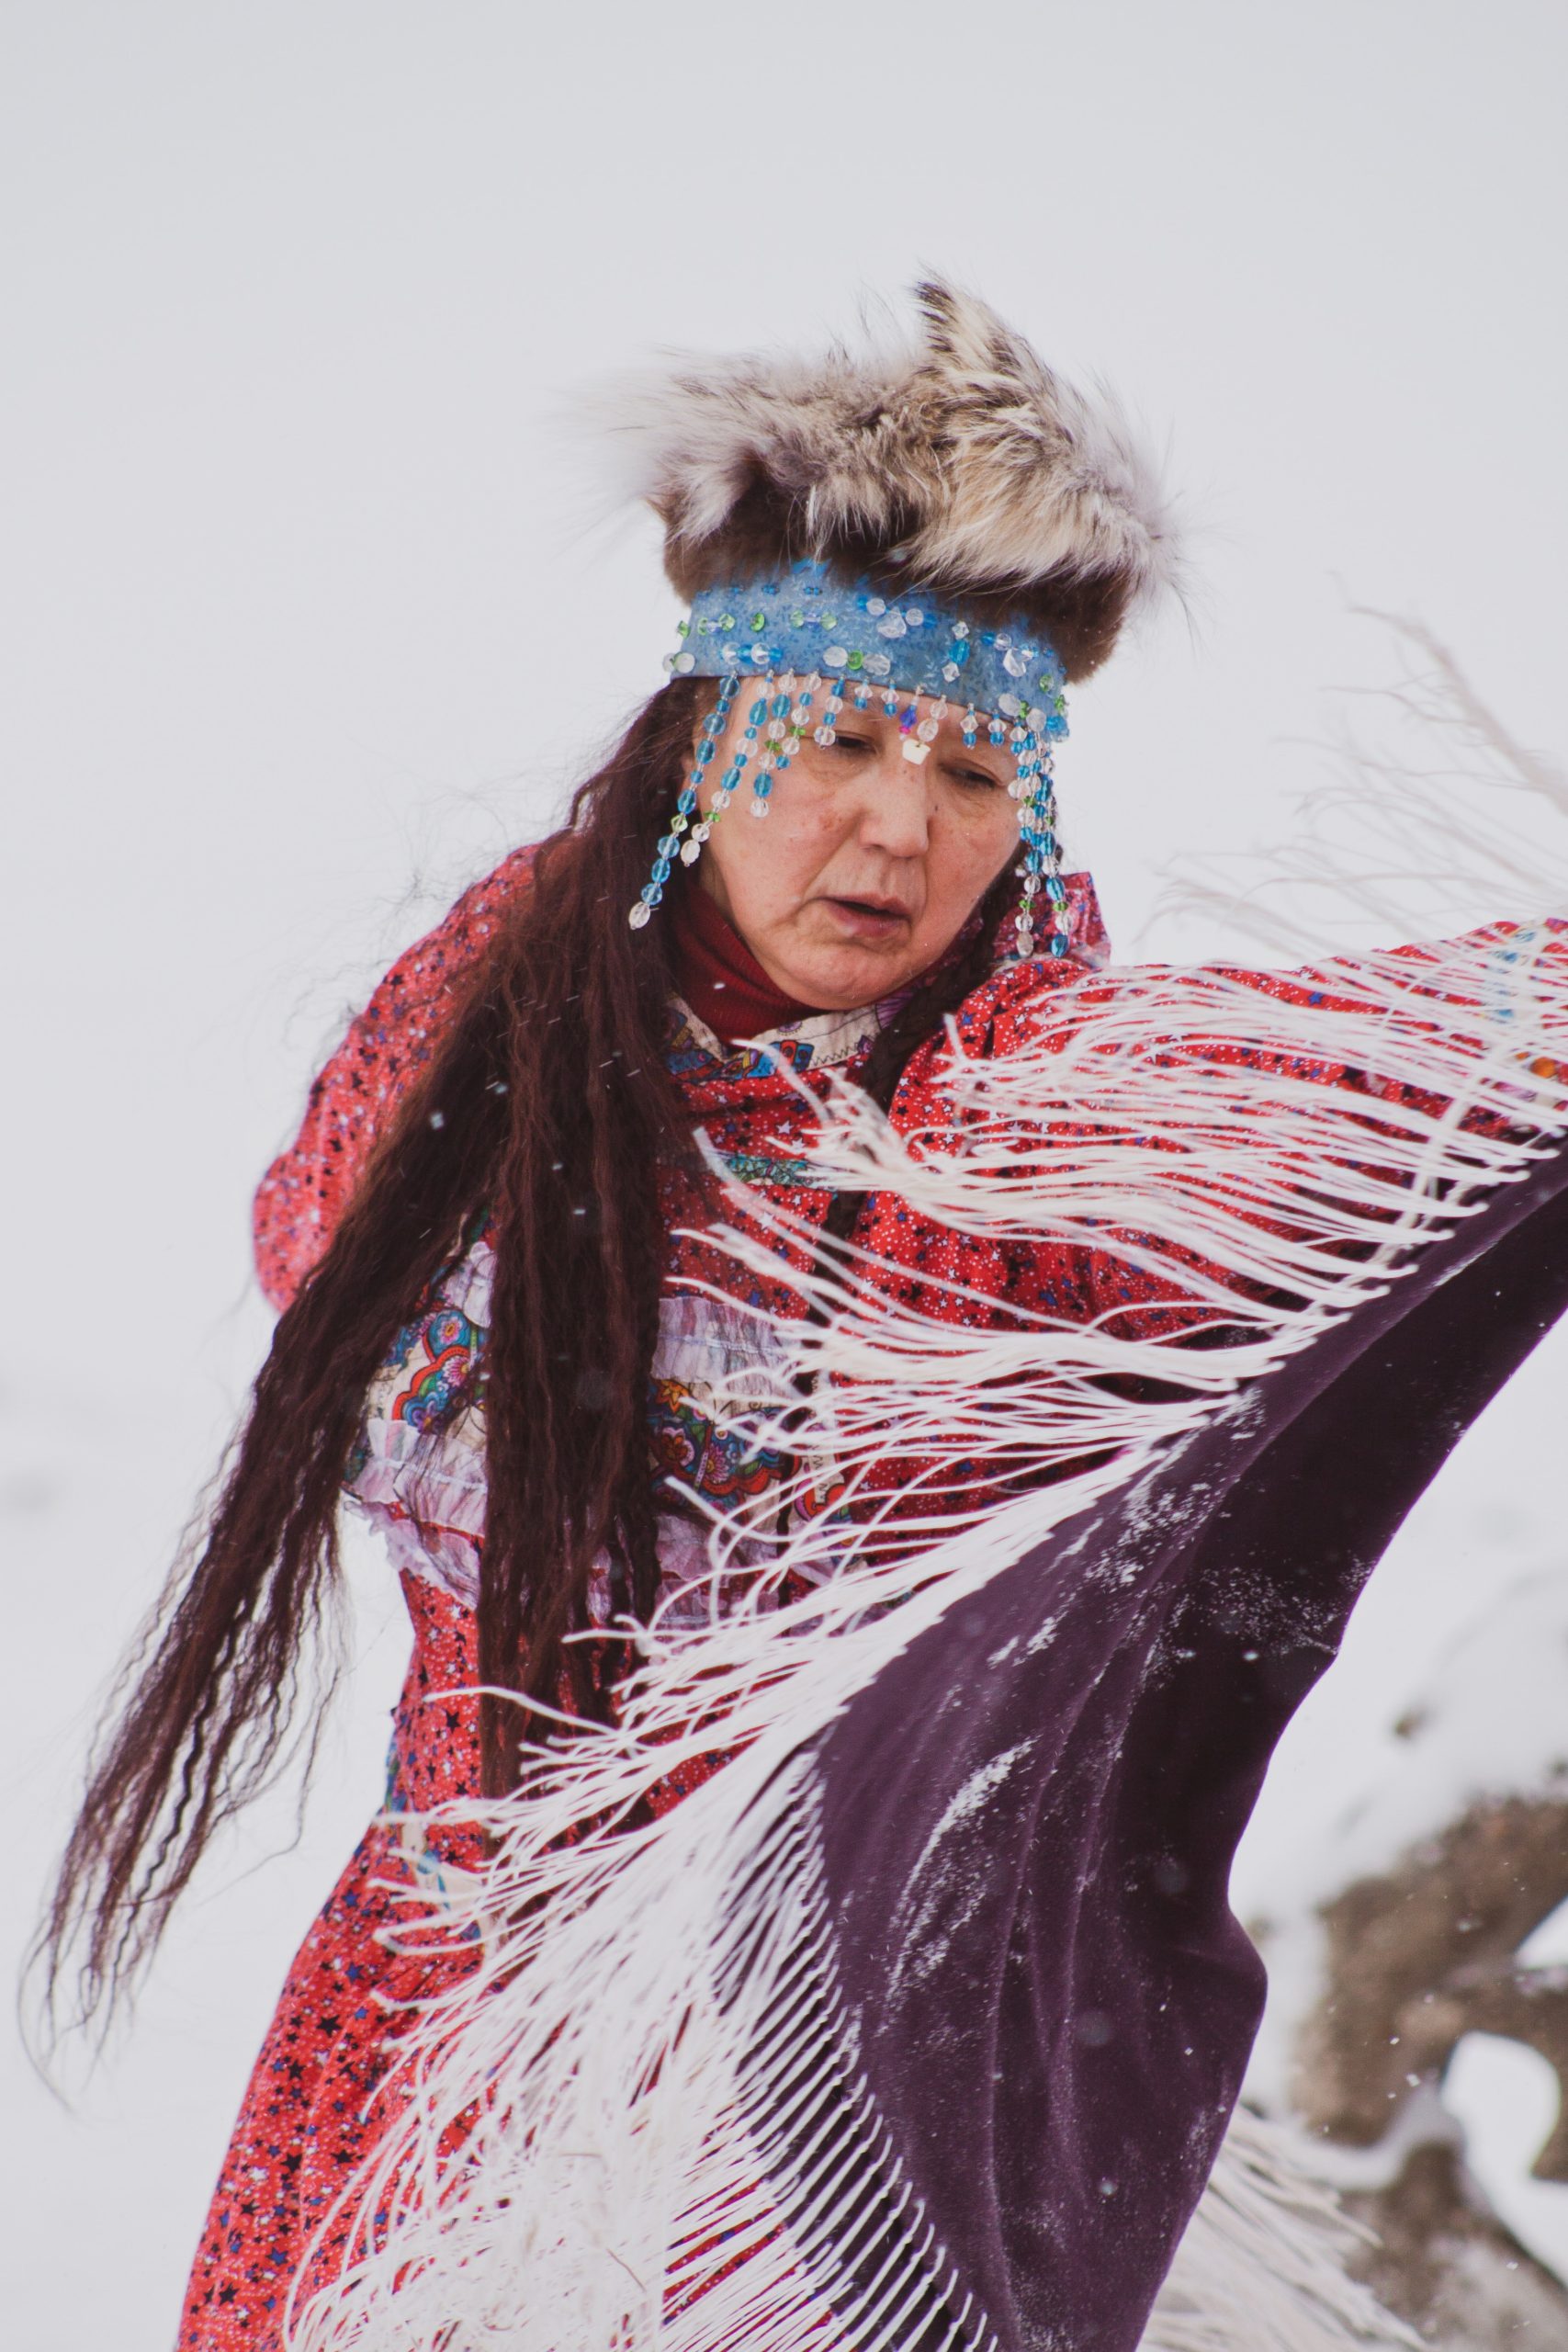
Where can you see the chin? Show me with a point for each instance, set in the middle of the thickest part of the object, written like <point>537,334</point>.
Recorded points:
<point>840,983</point>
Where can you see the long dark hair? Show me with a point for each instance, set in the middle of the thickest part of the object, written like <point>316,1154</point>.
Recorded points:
<point>548,1102</point>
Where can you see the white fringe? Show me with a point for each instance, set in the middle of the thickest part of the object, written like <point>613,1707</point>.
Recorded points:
<point>593,2068</point>
<point>1262,2266</point>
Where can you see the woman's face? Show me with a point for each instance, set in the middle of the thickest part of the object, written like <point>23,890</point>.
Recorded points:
<point>867,865</point>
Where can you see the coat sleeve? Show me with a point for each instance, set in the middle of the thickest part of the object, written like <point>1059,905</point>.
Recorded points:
<point>308,1187</point>
<point>1452,987</point>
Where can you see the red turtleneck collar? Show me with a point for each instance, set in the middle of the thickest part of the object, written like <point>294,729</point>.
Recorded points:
<point>717,974</point>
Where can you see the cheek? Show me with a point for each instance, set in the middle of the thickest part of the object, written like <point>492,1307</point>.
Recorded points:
<point>769,864</point>
<point>972,852</point>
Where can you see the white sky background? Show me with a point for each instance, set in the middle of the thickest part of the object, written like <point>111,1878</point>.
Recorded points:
<point>303,623</point>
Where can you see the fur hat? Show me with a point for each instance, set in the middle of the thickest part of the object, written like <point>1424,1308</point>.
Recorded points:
<point>961,466</point>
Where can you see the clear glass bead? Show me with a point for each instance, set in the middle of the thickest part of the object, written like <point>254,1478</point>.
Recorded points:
<point>928,729</point>
<point>759,807</point>
<point>836,656</point>
<point>685,661</point>
<point>641,913</point>
<point>691,851</point>
<point>825,735</point>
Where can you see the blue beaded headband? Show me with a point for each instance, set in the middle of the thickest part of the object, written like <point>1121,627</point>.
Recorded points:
<point>811,621</point>
<point>789,640</point>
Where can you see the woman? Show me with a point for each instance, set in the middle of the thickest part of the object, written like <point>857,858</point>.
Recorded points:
<point>668,1364</point>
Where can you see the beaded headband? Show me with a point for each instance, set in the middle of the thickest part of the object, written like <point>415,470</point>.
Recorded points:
<point>786,642</point>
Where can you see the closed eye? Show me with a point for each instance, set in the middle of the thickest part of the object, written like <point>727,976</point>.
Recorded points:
<point>974,779</point>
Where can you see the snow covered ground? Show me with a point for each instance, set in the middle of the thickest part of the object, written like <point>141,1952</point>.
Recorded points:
<point>303,624</point>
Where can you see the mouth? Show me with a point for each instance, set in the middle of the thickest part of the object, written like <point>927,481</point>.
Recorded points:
<point>870,919</point>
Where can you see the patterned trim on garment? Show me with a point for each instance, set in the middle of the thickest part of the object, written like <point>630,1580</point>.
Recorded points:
<point>822,1041</point>
<point>754,1168</point>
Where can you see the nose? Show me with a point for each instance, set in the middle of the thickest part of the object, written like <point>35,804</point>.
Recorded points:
<point>896,807</point>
